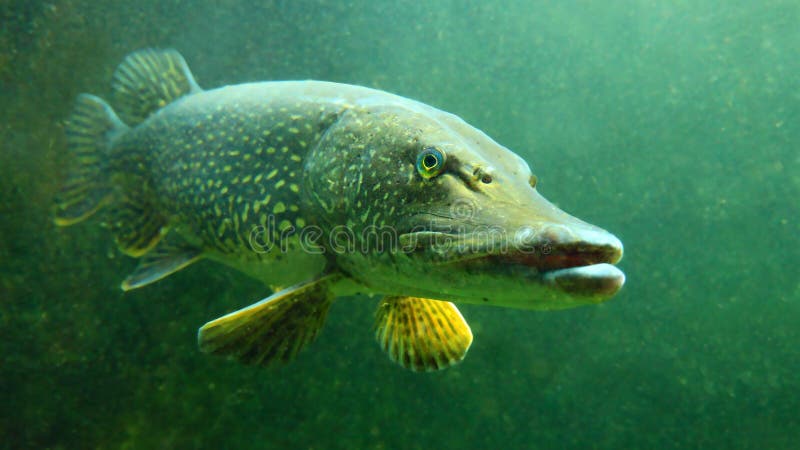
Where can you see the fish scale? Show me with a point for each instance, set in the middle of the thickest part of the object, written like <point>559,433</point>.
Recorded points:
<point>218,154</point>
<point>228,149</point>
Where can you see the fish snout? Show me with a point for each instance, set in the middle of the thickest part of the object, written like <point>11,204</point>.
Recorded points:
<point>585,244</point>
<point>578,259</point>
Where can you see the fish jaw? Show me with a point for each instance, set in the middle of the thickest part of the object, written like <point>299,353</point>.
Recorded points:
<point>600,281</point>
<point>577,258</point>
<point>562,278</point>
<point>535,257</point>
<point>573,257</point>
<point>577,268</point>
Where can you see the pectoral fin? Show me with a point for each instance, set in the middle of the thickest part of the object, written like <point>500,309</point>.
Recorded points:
<point>164,260</point>
<point>422,334</point>
<point>135,222</point>
<point>274,329</point>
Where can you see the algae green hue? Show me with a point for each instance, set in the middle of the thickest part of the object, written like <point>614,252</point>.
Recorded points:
<point>333,190</point>
<point>674,124</point>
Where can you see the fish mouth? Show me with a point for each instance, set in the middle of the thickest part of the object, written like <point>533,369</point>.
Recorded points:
<point>549,257</point>
<point>578,270</point>
<point>576,261</point>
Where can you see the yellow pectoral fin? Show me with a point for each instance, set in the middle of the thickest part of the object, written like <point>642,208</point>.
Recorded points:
<point>422,334</point>
<point>274,329</point>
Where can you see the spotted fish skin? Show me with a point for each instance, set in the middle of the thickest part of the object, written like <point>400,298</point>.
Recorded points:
<point>227,168</point>
<point>371,189</point>
<point>402,200</point>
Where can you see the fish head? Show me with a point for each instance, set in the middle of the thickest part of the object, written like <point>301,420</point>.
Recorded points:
<point>435,208</point>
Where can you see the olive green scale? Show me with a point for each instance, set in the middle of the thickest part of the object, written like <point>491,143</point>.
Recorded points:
<point>229,168</point>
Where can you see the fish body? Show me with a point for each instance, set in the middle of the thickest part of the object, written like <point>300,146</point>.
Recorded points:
<point>330,189</point>
<point>227,169</point>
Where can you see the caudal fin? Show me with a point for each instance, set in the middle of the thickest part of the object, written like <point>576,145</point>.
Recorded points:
<point>90,129</point>
<point>145,81</point>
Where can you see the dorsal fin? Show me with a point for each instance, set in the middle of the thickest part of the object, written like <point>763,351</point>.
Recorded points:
<point>148,80</point>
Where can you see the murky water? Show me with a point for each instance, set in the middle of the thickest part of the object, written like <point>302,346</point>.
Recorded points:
<point>672,124</point>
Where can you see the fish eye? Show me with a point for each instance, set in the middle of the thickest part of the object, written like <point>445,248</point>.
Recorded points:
<point>430,162</point>
<point>533,180</point>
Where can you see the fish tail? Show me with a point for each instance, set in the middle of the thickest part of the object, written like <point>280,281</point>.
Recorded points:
<point>90,130</point>
<point>146,81</point>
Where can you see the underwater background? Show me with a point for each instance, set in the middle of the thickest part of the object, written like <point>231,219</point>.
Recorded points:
<point>673,124</point>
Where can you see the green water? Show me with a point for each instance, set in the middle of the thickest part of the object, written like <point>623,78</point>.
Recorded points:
<point>673,124</point>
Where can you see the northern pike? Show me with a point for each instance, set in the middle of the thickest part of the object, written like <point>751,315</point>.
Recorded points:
<point>324,190</point>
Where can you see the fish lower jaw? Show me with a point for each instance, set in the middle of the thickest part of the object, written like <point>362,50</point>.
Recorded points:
<point>589,276</point>
<point>597,281</point>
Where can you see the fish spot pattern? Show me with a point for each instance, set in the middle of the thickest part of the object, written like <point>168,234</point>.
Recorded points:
<point>225,170</point>
<point>362,174</point>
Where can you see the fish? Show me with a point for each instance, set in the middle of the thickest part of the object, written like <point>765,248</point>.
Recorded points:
<point>324,190</point>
